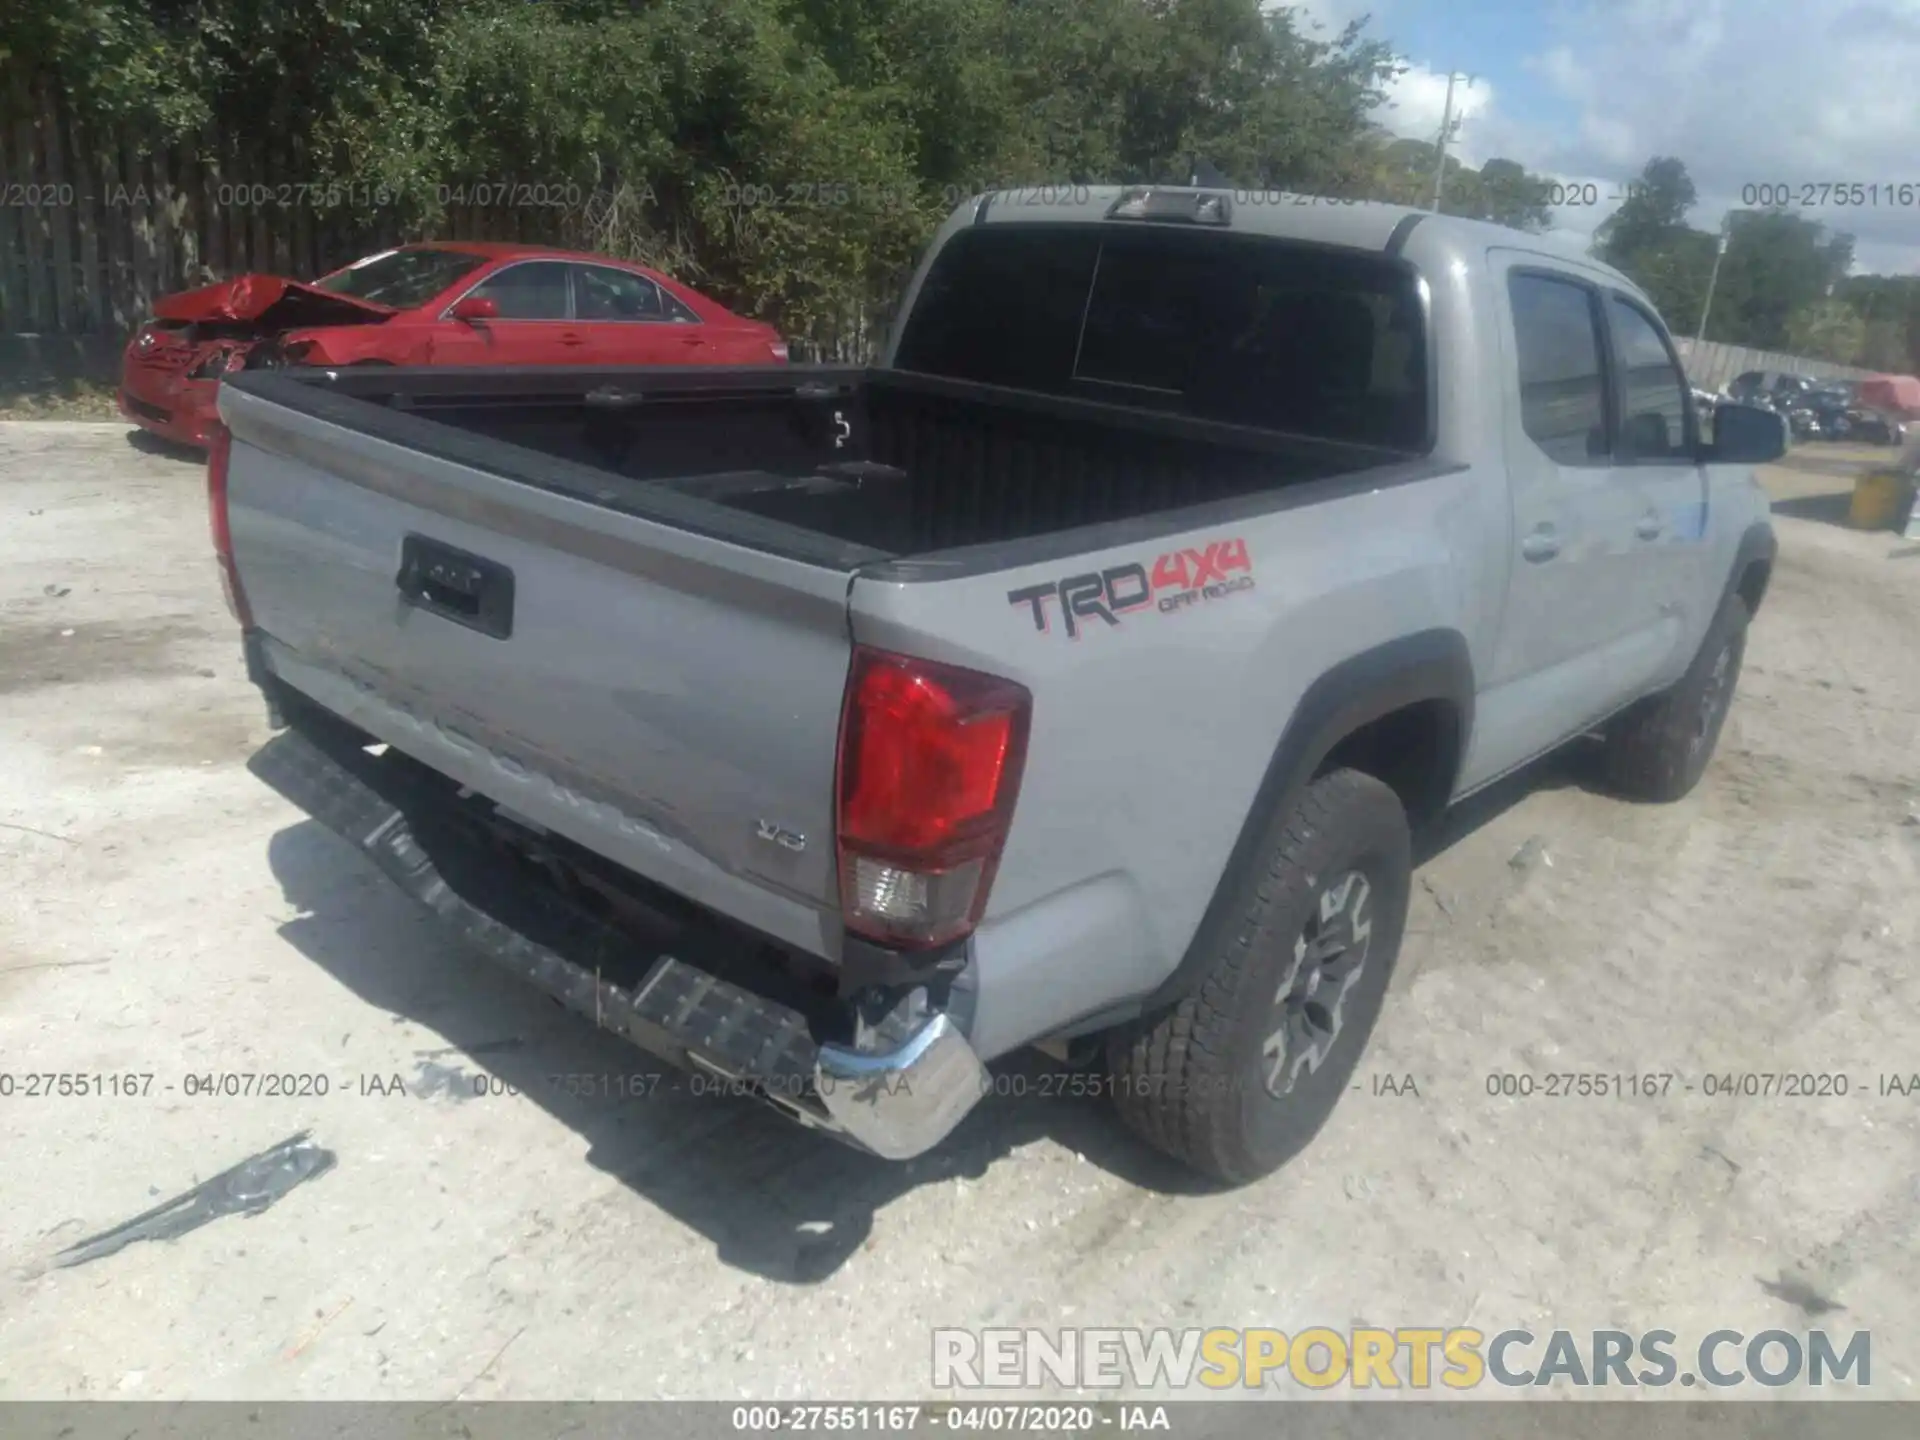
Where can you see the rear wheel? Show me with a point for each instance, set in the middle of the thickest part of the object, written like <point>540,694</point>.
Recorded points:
<point>1659,749</point>
<point>1239,1076</point>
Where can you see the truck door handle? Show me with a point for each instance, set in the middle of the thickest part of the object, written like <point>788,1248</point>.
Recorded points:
<point>1541,545</point>
<point>1650,526</point>
<point>569,338</point>
<point>467,589</point>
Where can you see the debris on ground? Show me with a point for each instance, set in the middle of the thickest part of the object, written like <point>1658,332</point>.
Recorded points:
<point>1439,898</point>
<point>246,1189</point>
<point>56,591</point>
<point>1533,853</point>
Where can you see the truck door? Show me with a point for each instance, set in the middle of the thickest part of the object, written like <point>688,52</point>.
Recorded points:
<point>1657,450</point>
<point>1578,634</point>
<point>535,325</point>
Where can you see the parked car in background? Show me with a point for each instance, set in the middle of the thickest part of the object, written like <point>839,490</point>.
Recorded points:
<point>1803,420</point>
<point>1704,404</point>
<point>1843,417</point>
<point>438,303</point>
<point>1775,389</point>
<point>1785,393</point>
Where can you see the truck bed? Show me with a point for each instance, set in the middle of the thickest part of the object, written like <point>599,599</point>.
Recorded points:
<point>616,602</point>
<point>885,461</point>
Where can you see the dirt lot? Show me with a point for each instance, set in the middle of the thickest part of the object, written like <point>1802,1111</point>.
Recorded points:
<point>164,914</point>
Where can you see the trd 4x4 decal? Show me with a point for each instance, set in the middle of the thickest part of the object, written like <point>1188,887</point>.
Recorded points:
<point>1178,579</point>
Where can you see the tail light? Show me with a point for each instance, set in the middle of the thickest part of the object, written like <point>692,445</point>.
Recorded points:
<point>779,349</point>
<point>929,768</point>
<point>218,453</point>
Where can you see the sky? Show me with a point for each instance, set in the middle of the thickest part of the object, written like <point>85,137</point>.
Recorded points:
<point>1787,94</point>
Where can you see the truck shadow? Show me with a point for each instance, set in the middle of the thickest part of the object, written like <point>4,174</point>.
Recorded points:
<point>1574,766</point>
<point>1831,509</point>
<point>149,443</point>
<point>773,1198</point>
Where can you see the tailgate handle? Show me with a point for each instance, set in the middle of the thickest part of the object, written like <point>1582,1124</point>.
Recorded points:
<point>467,589</point>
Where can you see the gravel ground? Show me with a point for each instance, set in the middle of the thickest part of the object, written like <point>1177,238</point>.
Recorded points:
<point>166,915</point>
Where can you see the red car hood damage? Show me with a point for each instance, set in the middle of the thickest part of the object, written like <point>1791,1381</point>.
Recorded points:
<point>270,303</point>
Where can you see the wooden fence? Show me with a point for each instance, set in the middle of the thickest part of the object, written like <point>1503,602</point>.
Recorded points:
<point>92,231</point>
<point>1711,363</point>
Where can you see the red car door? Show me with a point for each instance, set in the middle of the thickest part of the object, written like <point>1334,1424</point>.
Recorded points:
<point>629,320</point>
<point>533,324</point>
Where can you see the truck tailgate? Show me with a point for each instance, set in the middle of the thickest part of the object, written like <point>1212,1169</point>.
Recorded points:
<point>669,699</point>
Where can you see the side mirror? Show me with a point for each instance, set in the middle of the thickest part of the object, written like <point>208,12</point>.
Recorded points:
<point>1746,435</point>
<point>469,308</point>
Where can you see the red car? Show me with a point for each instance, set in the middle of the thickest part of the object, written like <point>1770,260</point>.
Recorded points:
<point>437,303</point>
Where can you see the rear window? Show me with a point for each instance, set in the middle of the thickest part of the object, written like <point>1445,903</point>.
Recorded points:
<point>401,278</point>
<point>1244,329</point>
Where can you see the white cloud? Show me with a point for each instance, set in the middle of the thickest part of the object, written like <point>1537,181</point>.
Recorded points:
<point>1746,92</point>
<point>1417,100</point>
<point>1762,92</point>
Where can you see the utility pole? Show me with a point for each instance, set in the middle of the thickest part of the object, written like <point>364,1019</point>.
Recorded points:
<point>1719,250</point>
<point>1446,134</point>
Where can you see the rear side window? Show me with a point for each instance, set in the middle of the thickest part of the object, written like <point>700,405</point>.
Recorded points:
<point>1562,394</point>
<point>603,293</point>
<point>1242,329</point>
<point>534,290</point>
<point>1654,396</point>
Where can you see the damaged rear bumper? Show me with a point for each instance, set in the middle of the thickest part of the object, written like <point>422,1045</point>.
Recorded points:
<point>896,1091</point>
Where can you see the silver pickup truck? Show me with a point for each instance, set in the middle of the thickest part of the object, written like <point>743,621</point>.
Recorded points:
<point>1075,677</point>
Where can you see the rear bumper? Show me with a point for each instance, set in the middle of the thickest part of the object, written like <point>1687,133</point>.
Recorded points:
<point>897,1093</point>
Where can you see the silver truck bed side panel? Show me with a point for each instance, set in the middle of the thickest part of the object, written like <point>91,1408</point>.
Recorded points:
<point>1150,736</point>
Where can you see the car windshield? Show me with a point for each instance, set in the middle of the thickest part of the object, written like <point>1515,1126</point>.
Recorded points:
<point>401,278</point>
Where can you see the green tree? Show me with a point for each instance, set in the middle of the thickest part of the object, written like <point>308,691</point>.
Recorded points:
<point>1655,208</point>
<point>1400,172</point>
<point>1512,196</point>
<point>1649,240</point>
<point>1889,310</point>
<point>790,155</point>
<point>1827,330</point>
<point>1777,264</point>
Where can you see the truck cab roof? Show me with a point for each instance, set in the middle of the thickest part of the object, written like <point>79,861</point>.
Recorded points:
<point>1287,215</point>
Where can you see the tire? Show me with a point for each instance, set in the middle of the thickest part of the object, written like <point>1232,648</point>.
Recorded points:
<point>1194,1081</point>
<point>1659,749</point>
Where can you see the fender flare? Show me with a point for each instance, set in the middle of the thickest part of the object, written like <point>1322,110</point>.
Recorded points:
<point>1757,542</point>
<point>1427,665</point>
